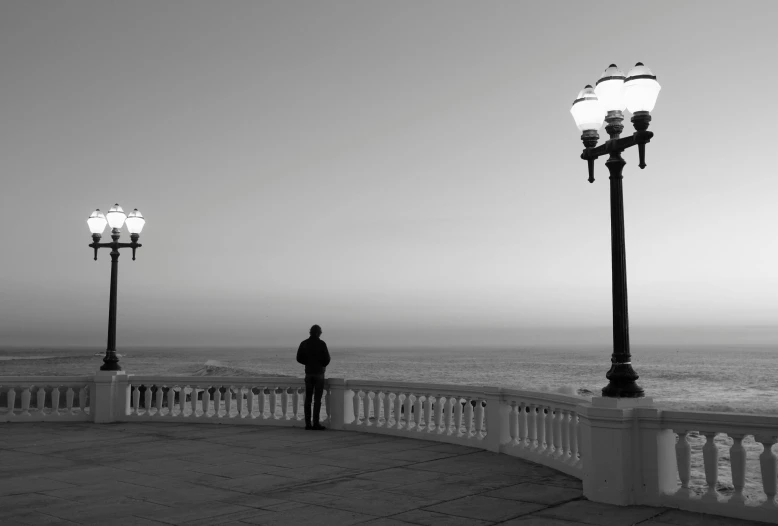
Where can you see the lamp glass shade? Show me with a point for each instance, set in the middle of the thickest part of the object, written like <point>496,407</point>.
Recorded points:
<point>610,89</point>
<point>135,222</point>
<point>116,216</point>
<point>587,110</point>
<point>96,222</point>
<point>641,89</point>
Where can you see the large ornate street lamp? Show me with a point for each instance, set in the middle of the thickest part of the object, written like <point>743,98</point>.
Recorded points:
<point>96,222</point>
<point>637,92</point>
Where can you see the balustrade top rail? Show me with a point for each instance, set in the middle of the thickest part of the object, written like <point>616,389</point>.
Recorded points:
<point>730,423</point>
<point>210,380</point>
<point>38,380</point>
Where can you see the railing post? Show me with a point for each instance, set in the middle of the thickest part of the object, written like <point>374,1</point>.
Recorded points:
<point>621,465</point>
<point>497,415</point>
<point>109,392</point>
<point>337,402</point>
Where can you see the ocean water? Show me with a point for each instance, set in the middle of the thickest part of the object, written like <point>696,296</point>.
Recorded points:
<point>741,379</point>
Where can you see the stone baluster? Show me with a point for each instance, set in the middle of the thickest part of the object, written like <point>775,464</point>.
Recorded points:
<point>191,403</point>
<point>513,423</point>
<point>551,418</point>
<point>206,401</point>
<point>541,428</point>
<point>356,402</point>
<point>147,400</point>
<point>459,411</point>
<point>55,400</point>
<point>737,456</point>
<point>396,411</point>
<point>82,396</point>
<point>171,400</point>
<point>387,408</point>
<point>239,397</point>
<point>25,401</point>
<point>251,402</point>
<point>468,416</point>
<point>769,464</point>
<point>261,401</point>
<point>408,403</point>
<point>296,403</point>
<point>521,423</point>
<point>683,457</point>
<point>448,418</point>
<point>135,399</point>
<point>371,408</point>
<point>574,430</point>
<point>423,413</point>
<point>532,427</point>
<point>479,418</point>
<point>272,401</point>
<point>325,404</point>
<point>559,425</point>
<point>217,401</point>
<point>228,401</point>
<point>40,399</point>
<point>11,394</point>
<point>417,412</point>
<point>157,399</point>
<point>710,456</point>
<point>284,403</point>
<point>564,434</point>
<point>69,397</point>
<point>440,413</point>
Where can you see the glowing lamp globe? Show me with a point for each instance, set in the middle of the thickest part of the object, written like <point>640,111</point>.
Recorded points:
<point>96,222</point>
<point>587,110</point>
<point>610,89</point>
<point>116,216</point>
<point>135,222</point>
<point>641,89</point>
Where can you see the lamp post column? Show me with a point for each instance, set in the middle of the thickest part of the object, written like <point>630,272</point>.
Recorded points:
<point>621,375</point>
<point>111,361</point>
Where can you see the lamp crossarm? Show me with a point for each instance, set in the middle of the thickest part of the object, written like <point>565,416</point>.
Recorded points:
<point>617,145</point>
<point>116,246</point>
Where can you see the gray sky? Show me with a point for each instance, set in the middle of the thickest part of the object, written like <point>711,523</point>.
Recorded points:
<point>399,172</point>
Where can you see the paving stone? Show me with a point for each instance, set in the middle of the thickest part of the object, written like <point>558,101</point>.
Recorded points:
<point>486,508</point>
<point>311,514</point>
<point>18,485</point>
<point>601,514</point>
<point>432,518</point>
<point>686,518</point>
<point>398,475</point>
<point>381,503</point>
<point>530,492</point>
<point>531,520</point>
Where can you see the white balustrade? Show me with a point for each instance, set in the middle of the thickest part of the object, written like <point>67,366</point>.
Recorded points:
<point>274,401</point>
<point>39,398</point>
<point>542,427</point>
<point>749,498</point>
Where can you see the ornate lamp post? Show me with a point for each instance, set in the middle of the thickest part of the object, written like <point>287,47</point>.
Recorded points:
<point>614,93</point>
<point>96,222</point>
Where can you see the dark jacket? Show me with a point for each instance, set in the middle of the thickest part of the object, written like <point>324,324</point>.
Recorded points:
<point>314,355</point>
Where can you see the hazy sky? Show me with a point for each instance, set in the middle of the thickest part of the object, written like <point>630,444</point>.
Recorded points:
<point>399,172</point>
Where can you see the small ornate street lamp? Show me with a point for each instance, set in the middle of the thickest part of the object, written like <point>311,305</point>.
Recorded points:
<point>96,222</point>
<point>614,93</point>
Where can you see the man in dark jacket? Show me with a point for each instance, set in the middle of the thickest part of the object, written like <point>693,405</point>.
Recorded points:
<point>315,356</point>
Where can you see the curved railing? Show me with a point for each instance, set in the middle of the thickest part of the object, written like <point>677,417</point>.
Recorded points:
<point>724,435</point>
<point>45,398</point>
<point>624,454</point>
<point>273,400</point>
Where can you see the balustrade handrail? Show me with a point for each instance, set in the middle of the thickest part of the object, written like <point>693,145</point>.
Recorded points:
<point>718,422</point>
<point>38,380</point>
<point>418,387</point>
<point>564,401</point>
<point>224,380</point>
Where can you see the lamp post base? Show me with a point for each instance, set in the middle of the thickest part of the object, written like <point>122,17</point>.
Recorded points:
<point>111,361</point>
<point>622,382</point>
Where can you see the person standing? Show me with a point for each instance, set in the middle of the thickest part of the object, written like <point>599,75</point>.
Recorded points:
<point>315,356</point>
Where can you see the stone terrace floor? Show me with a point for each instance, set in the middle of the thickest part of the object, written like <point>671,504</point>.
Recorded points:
<point>160,473</point>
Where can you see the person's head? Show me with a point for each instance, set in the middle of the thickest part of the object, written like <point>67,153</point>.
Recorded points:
<point>315,331</point>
